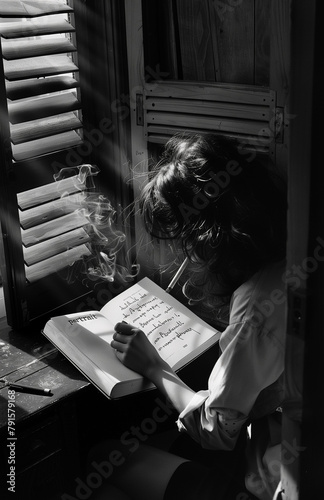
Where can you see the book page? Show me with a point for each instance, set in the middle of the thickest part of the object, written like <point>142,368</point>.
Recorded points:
<point>76,328</point>
<point>90,352</point>
<point>176,333</point>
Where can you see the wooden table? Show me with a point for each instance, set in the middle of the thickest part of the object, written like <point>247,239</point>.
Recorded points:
<point>46,439</point>
<point>38,434</point>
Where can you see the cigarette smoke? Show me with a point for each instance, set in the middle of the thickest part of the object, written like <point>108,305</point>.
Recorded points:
<point>108,259</point>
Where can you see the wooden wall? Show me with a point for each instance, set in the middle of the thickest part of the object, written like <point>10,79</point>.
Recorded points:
<point>208,40</point>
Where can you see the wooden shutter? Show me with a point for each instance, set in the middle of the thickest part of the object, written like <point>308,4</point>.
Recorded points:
<point>53,228</point>
<point>38,66</point>
<point>43,229</point>
<point>234,110</point>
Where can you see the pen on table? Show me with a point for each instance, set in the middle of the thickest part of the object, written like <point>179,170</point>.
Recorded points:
<point>30,390</point>
<point>177,275</point>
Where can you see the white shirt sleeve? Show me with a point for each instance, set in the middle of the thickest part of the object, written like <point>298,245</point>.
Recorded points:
<point>220,427</point>
<point>252,359</point>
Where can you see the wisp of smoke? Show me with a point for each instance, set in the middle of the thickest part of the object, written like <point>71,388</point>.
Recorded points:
<point>108,257</point>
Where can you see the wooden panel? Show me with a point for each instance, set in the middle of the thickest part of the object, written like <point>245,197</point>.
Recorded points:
<point>195,40</point>
<point>159,31</point>
<point>49,248</point>
<point>40,107</point>
<point>48,192</point>
<point>199,107</point>
<point>52,210</point>
<point>211,123</point>
<point>262,42</point>
<point>160,135</point>
<point>233,38</point>
<point>39,147</point>
<point>208,40</point>
<point>56,263</point>
<point>222,93</point>
<point>33,27</point>
<point>53,228</point>
<point>19,49</point>
<point>35,129</point>
<point>139,153</point>
<point>38,67</point>
<point>280,71</point>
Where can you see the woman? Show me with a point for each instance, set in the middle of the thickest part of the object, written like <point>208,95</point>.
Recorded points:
<point>228,214</point>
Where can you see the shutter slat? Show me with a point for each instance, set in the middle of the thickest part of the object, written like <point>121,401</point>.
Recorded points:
<point>40,147</point>
<point>49,192</point>
<point>35,28</point>
<point>56,263</point>
<point>52,210</point>
<point>160,135</point>
<point>33,109</point>
<point>35,129</point>
<point>19,49</point>
<point>36,67</point>
<point>206,122</point>
<point>210,92</point>
<point>53,228</point>
<point>212,108</point>
<point>29,88</point>
<point>54,246</point>
<point>31,8</point>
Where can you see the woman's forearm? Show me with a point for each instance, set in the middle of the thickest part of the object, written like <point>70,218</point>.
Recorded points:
<point>168,382</point>
<point>134,350</point>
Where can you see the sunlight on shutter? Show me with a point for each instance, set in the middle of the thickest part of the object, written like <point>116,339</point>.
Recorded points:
<point>41,72</point>
<point>53,227</point>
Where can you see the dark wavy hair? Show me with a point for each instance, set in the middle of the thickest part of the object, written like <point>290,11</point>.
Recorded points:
<point>227,212</point>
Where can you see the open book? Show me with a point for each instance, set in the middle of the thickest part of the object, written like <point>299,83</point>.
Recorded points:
<point>84,338</point>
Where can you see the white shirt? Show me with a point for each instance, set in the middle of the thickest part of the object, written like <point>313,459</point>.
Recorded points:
<point>247,379</point>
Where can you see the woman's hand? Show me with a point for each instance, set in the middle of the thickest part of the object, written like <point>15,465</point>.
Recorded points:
<point>136,352</point>
<point>134,349</point>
